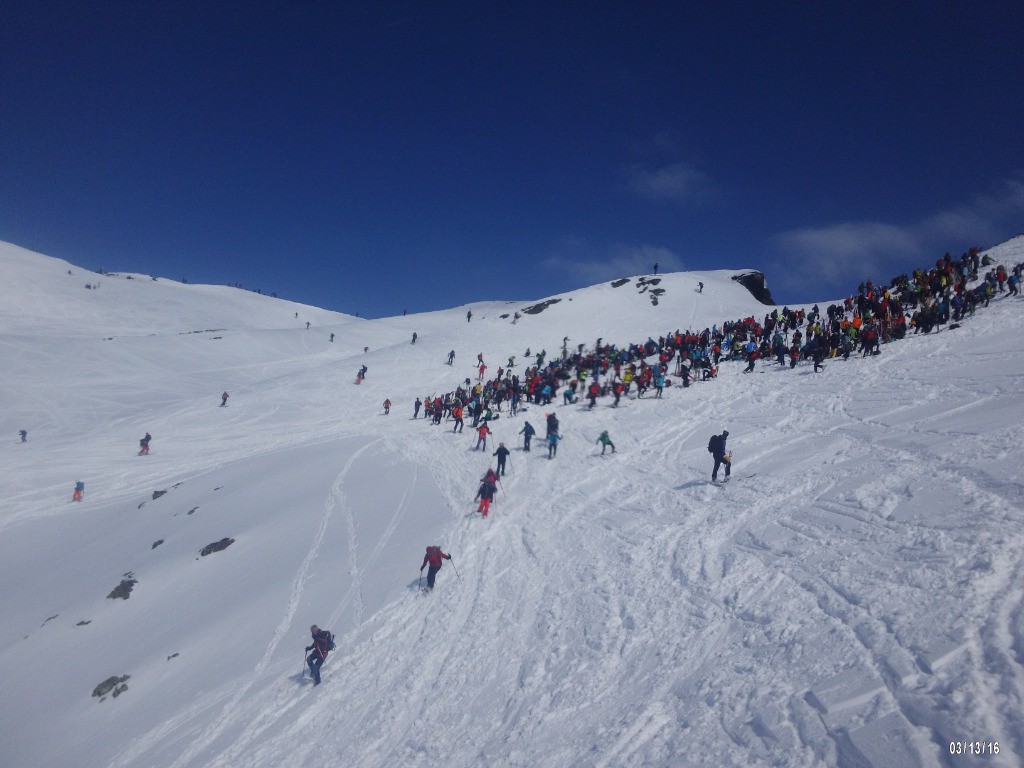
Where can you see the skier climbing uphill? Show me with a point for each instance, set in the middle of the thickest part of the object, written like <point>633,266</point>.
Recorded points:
<point>323,643</point>
<point>716,446</point>
<point>433,558</point>
<point>485,494</point>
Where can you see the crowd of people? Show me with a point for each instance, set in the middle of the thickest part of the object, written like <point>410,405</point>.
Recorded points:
<point>922,302</point>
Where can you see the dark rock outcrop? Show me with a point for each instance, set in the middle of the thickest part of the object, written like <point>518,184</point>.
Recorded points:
<point>217,546</point>
<point>757,285</point>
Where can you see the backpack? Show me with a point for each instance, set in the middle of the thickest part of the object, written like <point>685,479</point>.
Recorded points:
<point>330,641</point>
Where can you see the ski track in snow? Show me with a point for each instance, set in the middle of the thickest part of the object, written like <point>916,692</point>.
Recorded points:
<point>227,716</point>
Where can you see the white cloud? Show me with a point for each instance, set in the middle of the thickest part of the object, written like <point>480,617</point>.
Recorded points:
<point>676,182</point>
<point>576,259</point>
<point>839,256</point>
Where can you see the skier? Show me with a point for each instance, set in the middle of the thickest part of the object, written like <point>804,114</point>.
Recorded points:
<point>469,315</point>
<point>434,557</point>
<point>24,435</point>
<point>481,436</point>
<point>361,375</point>
<point>457,415</point>
<point>502,454</point>
<point>79,490</point>
<point>605,441</point>
<point>819,355</point>
<point>553,438</point>
<point>387,407</point>
<point>451,357</point>
<point>618,389</point>
<point>223,399</point>
<point>414,337</point>
<point>144,445</point>
<point>332,338</point>
<point>528,432</point>
<point>716,446</point>
<point>700,287</point>
<point>307,325</point>
<point>416,408</point>
<point>320,648</point>
<point>486,493</point>
<point>552,425</point>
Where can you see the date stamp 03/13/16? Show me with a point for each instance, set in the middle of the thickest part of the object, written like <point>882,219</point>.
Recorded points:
<point>973,748</point>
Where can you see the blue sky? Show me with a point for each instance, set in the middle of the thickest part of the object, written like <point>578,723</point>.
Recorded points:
<point>375,157</point>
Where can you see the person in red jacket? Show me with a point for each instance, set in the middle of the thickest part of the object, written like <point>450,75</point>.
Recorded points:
<point>320,648</point>
<point>433,558</point>
<point>481,437</point>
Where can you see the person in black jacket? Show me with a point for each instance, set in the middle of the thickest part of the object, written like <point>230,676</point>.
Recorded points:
<point>717,448</point>
<point>320,648</point>
<point>502,454</point>
<point>528,432</point>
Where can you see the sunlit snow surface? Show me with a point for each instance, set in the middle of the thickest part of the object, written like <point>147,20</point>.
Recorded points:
<point>854,596</point>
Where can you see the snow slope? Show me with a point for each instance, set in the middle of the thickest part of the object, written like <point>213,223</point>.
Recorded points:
<point>854,596</point>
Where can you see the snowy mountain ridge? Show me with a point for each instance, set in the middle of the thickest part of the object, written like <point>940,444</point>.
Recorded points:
<point>854,596</point>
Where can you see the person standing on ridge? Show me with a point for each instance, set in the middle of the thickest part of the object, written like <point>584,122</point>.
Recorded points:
<point>433,558</point>
<point>716,446</point>
<point>320,648</point>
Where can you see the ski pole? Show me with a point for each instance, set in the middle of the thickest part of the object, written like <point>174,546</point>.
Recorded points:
<point>303,665</point>
<point>455,569</point>
<point>502,486</point>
